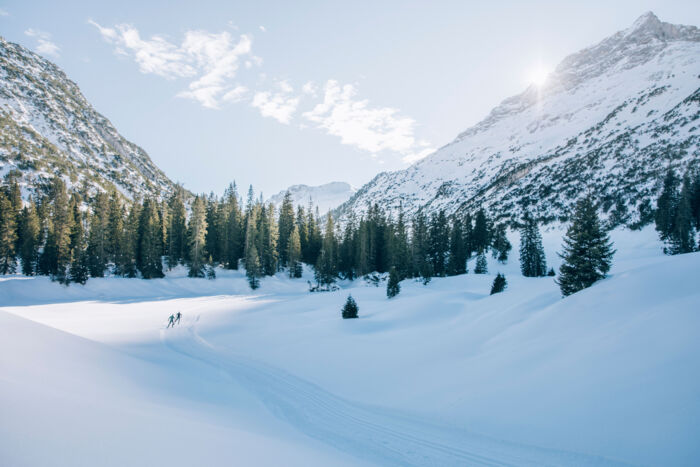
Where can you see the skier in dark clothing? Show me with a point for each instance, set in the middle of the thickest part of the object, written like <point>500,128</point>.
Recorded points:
<point>177,317</point>
<point>171,322</point>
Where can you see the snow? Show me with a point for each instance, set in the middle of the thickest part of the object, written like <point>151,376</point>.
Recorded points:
<point>326,197</point>
<point>443,374</point>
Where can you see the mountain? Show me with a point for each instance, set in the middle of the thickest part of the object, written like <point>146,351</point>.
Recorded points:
<point>326,197</point>
<point>609,121</point>
<point>47,127</point>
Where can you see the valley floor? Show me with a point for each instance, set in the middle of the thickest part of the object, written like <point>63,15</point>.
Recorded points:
<point>443,374</point>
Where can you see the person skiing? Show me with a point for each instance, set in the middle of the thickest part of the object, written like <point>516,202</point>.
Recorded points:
<point>171,322</point>
<point>177,317</point>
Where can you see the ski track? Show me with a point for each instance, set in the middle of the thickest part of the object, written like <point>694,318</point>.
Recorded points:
<point>370,433</point>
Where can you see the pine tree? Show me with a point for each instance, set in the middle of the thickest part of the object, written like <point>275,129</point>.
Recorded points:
<point>56,256</point>
<point>294,254</point>
<point>326,270</point>
<point>682,236</point>
<point>196,234</point>
<point>501,245</point>
<point>30,229</point>
<point>393,287</point>
<point>457,263</point>
<point>115,230</point>
<point>420,243</point>
<point>235,237</point>
<point>481,264</point>
<point>78,271</point>
<point>587,251</point>
<point>98,239</point>
<point>402,248</point>
<point>177,228</point>
<point>268,240</point>
<point>126,262</point>
<point>350,309</point>
<point>499,284</point>
<point>480,233</point>
<point>285,227</point>
<point>666,206</point>
<point>149,247</point>
<point>532,259</point>
<point>253,269</point>
<point>439,243</point>
<point>8,235</point>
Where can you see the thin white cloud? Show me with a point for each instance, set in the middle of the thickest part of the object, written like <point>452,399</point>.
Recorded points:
<point>357,123</point>
<point>262,28</point>
<point>236,94</point>
<point>210,60</point>
<point>44,45</point>
<point>280,105</point>
<point>4,12</point>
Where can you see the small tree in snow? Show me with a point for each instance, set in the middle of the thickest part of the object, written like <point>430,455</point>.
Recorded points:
<point>393,287</point>
<point>481,265</point>
<point>350,308</point>
<point>499,284</point>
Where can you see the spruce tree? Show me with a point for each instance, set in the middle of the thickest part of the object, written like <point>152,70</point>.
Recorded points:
<point>499,284</point>
<point>285,226</point>
<point>481,264</point>
<point>457,263</point>
<point>439,243</point>
<point>501,245</point>
<point>30,229</point>
<point>532,259</point>
<point>56,256</point>
<point>294,254</point>
<point>98,239</point>
<point>115,231</point>
<point>393,287</point>
<point>587,251</point>
<point>196,234</point>
<point>681,239</point>
<point>8,235</point>
<point>149,247</point>
<point>666,206</point>
<point>480,234</point>
<point>402,248</point>
<point>326,270</point>
<point>79,271</point>
<point>420,244</point>
<point>253,269</point>
<point>126,262</point>
<point>177,228</point>
<point>350,309</point>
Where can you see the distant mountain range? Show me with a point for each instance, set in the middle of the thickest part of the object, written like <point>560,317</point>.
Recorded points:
<point>326,197</point>
<point>608,121</point>
<point>48,128</point>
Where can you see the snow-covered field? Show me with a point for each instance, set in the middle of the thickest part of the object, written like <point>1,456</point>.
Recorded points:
<point>443,374</point>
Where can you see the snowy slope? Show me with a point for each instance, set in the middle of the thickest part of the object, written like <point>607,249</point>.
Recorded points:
<point>47,127</point>
<point>441,375</point>
<point>326,197</point>
<point>609,120</point>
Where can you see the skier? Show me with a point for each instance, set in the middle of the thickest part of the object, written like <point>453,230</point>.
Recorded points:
<point>171,322</point>
<point>177,317</point>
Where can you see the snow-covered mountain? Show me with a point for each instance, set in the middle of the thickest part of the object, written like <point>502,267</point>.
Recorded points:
<point>47,127</point>
<point>326,197</point>
<point>609,120</point>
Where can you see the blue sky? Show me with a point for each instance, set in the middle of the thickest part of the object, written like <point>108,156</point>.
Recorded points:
<point>279,93</point>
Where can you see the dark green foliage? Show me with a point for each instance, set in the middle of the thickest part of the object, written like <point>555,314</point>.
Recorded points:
<point>480,237</point>
<point>326,270</point>
<point>587,251</point>
<point>501,245</point>
<point>8,235</point>
<point>551,272</point>
<point>666,206</point>
<point>439,243</point>
<point>676,219</point>
<point>532,259</point>
<point>285,227</point>
<point>499,284</point>
<point>253,269</point>
<point>56,256</point>
<point>177,230</point>
<point>350,309</point>
<point>29,234</point>
<point>294,254</point>
<point>393,287</point>
<point>196,234</point>
<point>149,246</point>
<point>401,248</point>
<point>457,263</point>
<point>481,264</point>
<point>98,239</point>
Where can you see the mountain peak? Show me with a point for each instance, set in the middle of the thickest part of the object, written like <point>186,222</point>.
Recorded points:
<point>646,21</point>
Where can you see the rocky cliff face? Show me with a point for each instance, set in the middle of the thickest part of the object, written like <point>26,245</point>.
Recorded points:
<point>47,127</point>
<point>608,121</point>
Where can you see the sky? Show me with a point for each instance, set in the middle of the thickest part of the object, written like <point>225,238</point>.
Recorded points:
<point>280,93</point>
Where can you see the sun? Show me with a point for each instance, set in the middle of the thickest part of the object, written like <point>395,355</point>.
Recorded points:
<point>539,75</point>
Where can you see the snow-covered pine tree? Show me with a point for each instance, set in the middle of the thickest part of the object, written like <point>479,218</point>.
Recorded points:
<point>532,259</point>
<point>393,287</point>
<point>350,309</point>
<point>499,284</point>
<point>588,250</point>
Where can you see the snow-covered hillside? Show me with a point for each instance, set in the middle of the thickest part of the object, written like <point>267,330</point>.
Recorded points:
<point>326,197</point>
<point>609,120</point>
<point>47,127</point>
<point>443,374</point>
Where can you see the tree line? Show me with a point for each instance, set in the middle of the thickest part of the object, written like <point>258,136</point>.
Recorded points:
<point>72,239</point>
